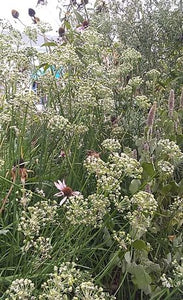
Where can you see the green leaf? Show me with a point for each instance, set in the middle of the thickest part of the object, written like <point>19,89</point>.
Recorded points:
<point>49,44</point>
<point>140,245</point>
<point>148,170</point>
<point>67,25</point>
<point>140,278</point>
<point>134,186</point>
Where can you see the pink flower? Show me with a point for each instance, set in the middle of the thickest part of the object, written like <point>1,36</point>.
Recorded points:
<point>65,191</point>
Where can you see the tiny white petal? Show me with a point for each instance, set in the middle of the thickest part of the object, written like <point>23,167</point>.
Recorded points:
<point>62,201</point>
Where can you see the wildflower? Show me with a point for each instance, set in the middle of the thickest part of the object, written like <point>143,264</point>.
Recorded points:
<point>151,115</point>
<point>65,191</point>
<point>62,153</point>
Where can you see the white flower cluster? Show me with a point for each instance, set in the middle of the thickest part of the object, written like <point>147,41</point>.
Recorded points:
<point>169,150</point>
<point>69,279</point>
<point>88,211</point>
<point>129,166</point>
<point>131,55</point>
<point>153,74</point>
<point>42,247</point>
<point>20,289</point>
<point>69,58</point>
<point>111,145</point>
<point>95,165</point>
<point>176,211</point>
<point>123,204</point>
<point>176,278</point>
<point>165,169</point>
<point>37,217</point>
<point>123,239</point>
<point>144,206</point>
<point>135,82</point>
<point>110,175</point>
<point>57,122</point>
<point>142,102</point>
<point>31,32</point>
<point>87,290</point>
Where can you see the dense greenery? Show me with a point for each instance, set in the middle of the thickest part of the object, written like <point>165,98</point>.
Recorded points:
<point>91,155</point>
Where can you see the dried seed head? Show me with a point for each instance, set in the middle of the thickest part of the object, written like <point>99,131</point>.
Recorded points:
<point>13,173</point>
<point>15,13</point>
<point>61,31</point>
<point>85,23</point>
<point>23,175</point>
<point>31,12</point>
<point>36,20</point>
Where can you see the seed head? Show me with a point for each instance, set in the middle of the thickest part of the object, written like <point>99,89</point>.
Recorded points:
<point>85,24</point>
<point>61,31</point>
<point>31,12</point>
<point>15,13</point>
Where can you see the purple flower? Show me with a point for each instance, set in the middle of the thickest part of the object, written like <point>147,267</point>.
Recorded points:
<point>65,191</point>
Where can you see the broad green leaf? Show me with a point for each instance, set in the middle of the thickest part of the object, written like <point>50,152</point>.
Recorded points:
<point>148,170</point>
<point>134,186</point>
<point>140,245</point>
<point>140,277</point>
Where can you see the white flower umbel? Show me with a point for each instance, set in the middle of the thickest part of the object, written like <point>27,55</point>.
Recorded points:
<point>130,166</point>
<point>111,145</point>
<point>88,211</point>
<point>167,149</point>
<point>165,169</point>
<point>20,289</point>
<point>143,207</point>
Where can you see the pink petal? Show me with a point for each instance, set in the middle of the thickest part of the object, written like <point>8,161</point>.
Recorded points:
<point>63,183</point>
<point>62,201</point>
<point>57,185</point>
<point>76,193</point>
<point>59,194</point>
